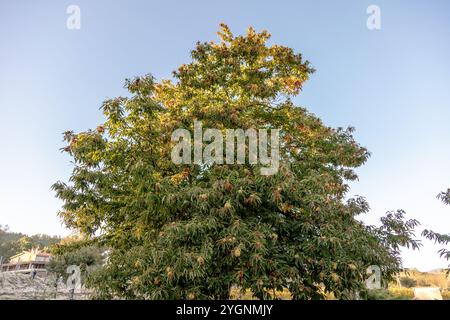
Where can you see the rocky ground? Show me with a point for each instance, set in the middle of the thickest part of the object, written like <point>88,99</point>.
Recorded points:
<point>16,286</point>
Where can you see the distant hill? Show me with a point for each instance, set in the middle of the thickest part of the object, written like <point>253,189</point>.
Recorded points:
<point>433,278</point>
<point>15,242</point>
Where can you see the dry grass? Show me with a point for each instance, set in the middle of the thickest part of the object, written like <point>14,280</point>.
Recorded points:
<point>445,294</point>
<point>237,294</point>
<point>402,293</point>
<point>437,278</point>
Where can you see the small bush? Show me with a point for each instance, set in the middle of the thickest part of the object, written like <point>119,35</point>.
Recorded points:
<point>408,282</point>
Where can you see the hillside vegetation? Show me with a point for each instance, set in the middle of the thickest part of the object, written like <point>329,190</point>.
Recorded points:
<point>12,243</point>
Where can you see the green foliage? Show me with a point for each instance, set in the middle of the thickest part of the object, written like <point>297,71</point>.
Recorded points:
<point>191,232</point>
<point>9,244</point>
<point>444,196</point>
<point>443,239</point>
<point>44,241</point>
<point>25,243</point>
<point>87,258</point>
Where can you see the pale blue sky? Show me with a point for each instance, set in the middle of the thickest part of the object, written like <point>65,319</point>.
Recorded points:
<point>391,84</point>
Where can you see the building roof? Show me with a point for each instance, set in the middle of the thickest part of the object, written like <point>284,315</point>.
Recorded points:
<point>35,252</point>
<point>44,254</point>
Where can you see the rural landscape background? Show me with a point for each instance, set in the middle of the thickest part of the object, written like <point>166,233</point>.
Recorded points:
<point>92,206</point>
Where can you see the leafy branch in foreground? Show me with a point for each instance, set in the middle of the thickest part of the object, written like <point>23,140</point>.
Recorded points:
<point>443,239</point>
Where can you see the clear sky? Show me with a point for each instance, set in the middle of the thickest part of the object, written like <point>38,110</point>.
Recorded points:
<point>391,84</point>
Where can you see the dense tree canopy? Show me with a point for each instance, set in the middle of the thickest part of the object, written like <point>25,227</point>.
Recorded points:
<point>88,258</point>
<point>192,231</point>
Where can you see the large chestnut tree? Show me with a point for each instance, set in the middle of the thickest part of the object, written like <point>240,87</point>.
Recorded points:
<point>194,231</point>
